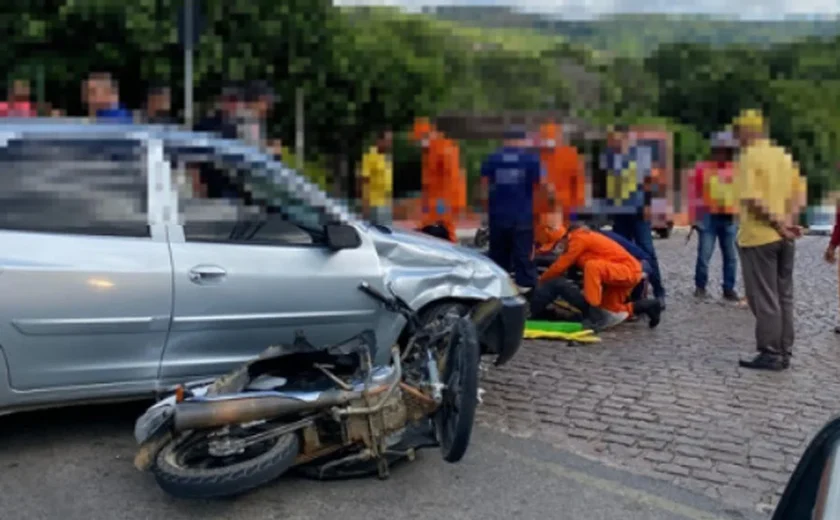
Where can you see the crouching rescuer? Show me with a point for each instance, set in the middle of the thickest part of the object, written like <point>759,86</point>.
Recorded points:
<point>610,274</point>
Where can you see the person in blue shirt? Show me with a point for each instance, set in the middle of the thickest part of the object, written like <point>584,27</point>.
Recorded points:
<point>102,96</point>
<point>509,177</point>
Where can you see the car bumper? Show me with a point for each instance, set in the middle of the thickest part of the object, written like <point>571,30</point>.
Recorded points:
<point>504,336</point>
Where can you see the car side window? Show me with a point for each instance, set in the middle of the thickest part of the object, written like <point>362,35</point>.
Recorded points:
<point>74,186</point>
<point>220,201</point>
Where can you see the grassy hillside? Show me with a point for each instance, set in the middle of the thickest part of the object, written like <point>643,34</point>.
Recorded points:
<point>637,35</point>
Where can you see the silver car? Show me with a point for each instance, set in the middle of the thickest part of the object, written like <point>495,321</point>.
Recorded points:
<point>134,258</point>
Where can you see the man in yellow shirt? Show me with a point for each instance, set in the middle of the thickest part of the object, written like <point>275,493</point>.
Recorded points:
<point>377,181</point>
<point>771,193</point>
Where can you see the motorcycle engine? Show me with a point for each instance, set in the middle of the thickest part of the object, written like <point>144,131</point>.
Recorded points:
<point>371,429</point>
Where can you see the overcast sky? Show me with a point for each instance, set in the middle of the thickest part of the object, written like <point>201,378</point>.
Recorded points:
<point>752,9</point>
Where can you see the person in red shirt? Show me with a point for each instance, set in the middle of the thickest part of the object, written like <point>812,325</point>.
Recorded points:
<point>19,103</point>
<point>831,251</point>
<point>712,207</point>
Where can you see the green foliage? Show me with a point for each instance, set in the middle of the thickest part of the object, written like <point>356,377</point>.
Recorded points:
<point>364,70</point>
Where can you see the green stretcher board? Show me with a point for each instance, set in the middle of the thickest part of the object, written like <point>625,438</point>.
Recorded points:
<point>554,326</point>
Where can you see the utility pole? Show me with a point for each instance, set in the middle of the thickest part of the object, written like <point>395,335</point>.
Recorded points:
<point>189,41</point>
<point>299,129</point>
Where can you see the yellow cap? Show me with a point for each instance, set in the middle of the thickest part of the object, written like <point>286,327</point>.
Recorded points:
<point>750,119</point>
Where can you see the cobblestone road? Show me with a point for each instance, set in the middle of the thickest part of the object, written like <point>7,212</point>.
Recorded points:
<point>672,402</point>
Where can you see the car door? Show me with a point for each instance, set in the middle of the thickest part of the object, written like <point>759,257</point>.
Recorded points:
<point>85,284</point>
<point>247,278</point>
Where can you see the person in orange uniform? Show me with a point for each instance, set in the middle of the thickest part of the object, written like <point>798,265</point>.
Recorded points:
<point>610,274</point>
<point>441,179</point>
<point>564,170</point>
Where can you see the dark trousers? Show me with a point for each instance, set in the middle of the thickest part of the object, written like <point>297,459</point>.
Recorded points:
<point>639,292</point>
<point>768,281</point>
<point>720,228</point>
<point>511,247</point>
<point>637,230</point>
<point>557,288</point>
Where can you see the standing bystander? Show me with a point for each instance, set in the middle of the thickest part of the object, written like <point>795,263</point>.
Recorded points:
<point>509,178</point>
<point>629,173</point>
<point>376,177</point>
<point>101,94</point>
<point>159,105</point>
<point>831,250</point>
<point>19,103</point>
<point>713,214</point>
<point>771,192</point>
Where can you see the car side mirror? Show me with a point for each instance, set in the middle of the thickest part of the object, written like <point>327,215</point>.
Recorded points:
<point>813,490</point>
<point>342,236</point>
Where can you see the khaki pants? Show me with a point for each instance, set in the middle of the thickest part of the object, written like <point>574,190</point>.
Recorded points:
<point>768,281</point>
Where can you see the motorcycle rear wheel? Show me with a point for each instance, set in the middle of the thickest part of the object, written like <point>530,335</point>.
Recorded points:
<point>184,467</point>
<point>454,419</point>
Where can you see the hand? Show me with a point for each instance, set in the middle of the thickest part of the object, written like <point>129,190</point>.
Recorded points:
<point>786,233</point>
<point>796,231</point>
<point>830,255</point>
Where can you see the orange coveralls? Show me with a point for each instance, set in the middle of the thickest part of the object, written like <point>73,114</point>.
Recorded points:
<point>564,170</point>
<point>609,272</point>
<point>442,184</point>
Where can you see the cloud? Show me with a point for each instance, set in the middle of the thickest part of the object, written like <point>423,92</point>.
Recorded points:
<point>753,9</point>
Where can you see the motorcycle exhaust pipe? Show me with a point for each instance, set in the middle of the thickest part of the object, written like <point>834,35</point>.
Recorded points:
<point>198,415</point>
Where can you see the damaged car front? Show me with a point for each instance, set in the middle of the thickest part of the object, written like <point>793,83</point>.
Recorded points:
<point>428,271</point>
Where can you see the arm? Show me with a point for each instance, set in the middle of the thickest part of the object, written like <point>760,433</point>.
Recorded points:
<point>484,187</point>
<point>799,199</point>
<point>579,182</point>
<point>364,182</point>
<point>539,178</point>
<point>564,261</point>
<point>750,197</point>
<point>835,233</point>
<point>695,194</point>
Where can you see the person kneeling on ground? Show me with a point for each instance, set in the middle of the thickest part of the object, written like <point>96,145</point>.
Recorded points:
<point>610,274</point>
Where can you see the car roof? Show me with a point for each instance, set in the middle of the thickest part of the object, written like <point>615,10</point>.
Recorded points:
<point>173,137</point>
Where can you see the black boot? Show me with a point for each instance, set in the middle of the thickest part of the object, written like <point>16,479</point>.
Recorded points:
<point>652,308</point>
<point>765,361</point>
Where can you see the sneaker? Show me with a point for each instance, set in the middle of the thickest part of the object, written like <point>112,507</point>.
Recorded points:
<point>765,361</point>
<point>731,295</point>
<point>603,320</point>
<point>700,293</point>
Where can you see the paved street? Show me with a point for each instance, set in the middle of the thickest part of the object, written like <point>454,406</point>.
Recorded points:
<point>77,464</point>
<point>566,431</point>
<point>672,403</point>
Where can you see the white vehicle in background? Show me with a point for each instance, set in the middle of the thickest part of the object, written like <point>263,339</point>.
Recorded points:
<point>820,219</point>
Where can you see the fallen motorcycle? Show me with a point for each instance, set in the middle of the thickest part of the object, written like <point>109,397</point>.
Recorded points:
<point>328,411</point>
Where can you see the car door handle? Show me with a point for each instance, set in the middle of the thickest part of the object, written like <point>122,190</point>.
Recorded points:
<point>207,273</point>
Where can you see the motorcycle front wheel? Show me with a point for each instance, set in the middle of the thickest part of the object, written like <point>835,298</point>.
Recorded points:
<point>185,467</point>
<point>454,419</point>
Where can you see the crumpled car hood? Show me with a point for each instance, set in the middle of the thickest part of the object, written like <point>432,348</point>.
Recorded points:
<point>421,268</point>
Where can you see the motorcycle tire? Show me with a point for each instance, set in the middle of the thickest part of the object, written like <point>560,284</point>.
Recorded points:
<point>180,480</point>
<point>454,419</point>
